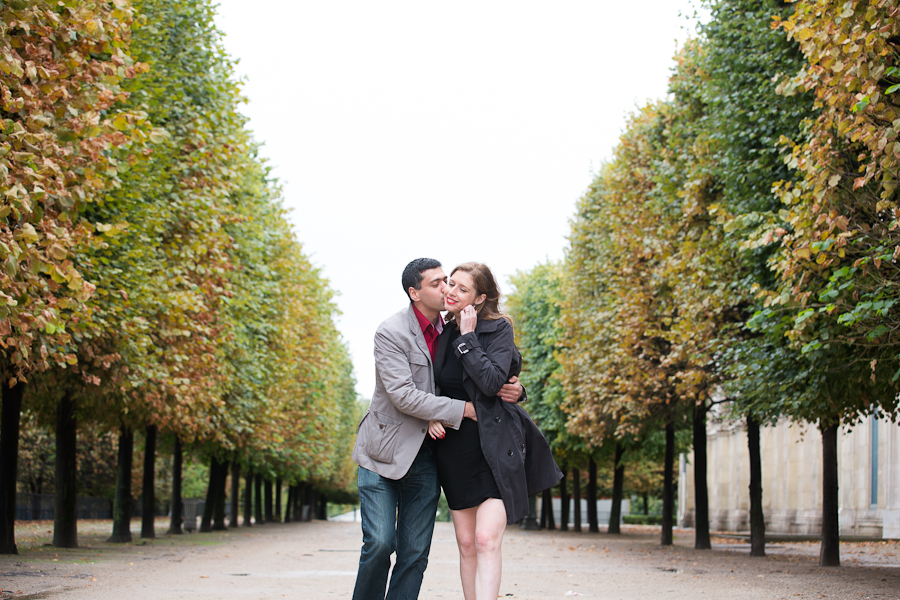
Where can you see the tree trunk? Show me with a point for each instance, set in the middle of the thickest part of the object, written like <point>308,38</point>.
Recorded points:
<point>177,504</point>
<point>221,497</point>
<point>235,493</point>
<point>305,501</point>
<point>547,520</point>
<point>576,499</point>
<point>209,505</point>
<point>121,532</point>
<point>257,489</point>
<point>645,496</point>
<point>214,508</point>
<point>65,513</point>
<point>668,509</point>
<point>148,491</point>
<point>248,499</point>
<point>289,505</point>
<point>830,552</point>
<point>593,526</point>
<point>563,503</point>
<point>278,500</point>
<point>701,489</point>
<point>9,464</point>
<point>312,501</point>
<point>757,518</point>
<point>615,511</point>
<point>323,507</point>
<point>267,489</point>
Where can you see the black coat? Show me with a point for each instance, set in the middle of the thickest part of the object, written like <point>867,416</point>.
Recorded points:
<point>516,451</point>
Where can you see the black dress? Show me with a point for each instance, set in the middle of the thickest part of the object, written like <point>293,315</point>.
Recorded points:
<point>464,473</point>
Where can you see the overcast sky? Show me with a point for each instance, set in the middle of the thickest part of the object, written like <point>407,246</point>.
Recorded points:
<point>459,131</point>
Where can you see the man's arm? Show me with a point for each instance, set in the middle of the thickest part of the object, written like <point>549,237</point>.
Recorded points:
<point>513,391</point>
<point>393,369</point>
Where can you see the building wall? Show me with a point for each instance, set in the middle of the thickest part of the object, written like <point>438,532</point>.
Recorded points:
<point>792,479</point>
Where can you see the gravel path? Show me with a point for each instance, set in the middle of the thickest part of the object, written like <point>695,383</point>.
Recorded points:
<point>318,560</point>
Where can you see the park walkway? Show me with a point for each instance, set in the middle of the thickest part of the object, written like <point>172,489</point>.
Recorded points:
<point>318,560</point>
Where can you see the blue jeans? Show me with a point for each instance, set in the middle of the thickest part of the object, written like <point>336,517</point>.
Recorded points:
<point>397,516</point>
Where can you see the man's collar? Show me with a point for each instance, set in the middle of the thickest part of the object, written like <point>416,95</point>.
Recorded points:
<point>424,322</point>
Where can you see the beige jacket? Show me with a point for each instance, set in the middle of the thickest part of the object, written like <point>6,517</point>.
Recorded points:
<point>391,432</point>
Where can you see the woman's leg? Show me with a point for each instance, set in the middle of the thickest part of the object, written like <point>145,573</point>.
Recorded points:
<point>490,523</point>
<point>464,525</point>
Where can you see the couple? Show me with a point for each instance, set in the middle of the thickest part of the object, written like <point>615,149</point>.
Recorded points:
<point>472,438</point>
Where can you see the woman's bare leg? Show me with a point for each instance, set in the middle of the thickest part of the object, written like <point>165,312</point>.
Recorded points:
<point>464,525</point>
<point>490,524</point>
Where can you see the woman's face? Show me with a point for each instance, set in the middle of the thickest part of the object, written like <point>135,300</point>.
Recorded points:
<point>461,293</point>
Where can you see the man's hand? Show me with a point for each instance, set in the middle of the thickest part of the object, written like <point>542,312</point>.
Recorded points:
<point>469,412</point>
<point>512,391</point>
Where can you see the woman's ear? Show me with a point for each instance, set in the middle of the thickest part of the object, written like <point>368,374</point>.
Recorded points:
<point>479,300</point>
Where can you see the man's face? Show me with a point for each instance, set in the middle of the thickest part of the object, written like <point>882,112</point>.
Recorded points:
<point>434,283</point>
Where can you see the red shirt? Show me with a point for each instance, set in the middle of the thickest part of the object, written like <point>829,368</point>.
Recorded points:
<point>431,332</point>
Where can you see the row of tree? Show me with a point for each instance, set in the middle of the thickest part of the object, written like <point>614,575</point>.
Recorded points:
<point>150,277</point>
<point>739,249</point>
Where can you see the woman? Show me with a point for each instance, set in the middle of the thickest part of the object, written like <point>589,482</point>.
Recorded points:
<point>488,468</point>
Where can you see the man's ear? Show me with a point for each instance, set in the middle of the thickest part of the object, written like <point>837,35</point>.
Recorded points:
<point>414,294</point>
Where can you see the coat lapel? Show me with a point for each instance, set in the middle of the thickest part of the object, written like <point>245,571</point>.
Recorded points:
<point>417,333</point>
<point>443,343</point>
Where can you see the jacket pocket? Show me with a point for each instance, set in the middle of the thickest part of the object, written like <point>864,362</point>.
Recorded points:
<point>382,437</point>
<point>419,366</point>
<point>359,425</point>
<point>520,423</point>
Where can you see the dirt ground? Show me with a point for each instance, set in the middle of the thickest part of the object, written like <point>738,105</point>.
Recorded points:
<point>319,559</point>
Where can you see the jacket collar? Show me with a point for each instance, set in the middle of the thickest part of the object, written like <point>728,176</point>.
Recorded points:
<point>443,345</point>
<point>483,326</point>
<point>416,330</point>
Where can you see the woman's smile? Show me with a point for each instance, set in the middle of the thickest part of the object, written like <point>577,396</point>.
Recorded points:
<point>460,292</point>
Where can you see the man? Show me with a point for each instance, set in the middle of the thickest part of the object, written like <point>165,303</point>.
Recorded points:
<point>398,483</point>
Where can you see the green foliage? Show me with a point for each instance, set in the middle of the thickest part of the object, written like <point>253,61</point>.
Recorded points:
<point>37,459</point>
<point>844,240</point>
<point>831,302</point>
<point>62,140</point>
<point>195,477</point>
<point>193,307</point>
<point>688,281</point>
<point>642,519</point>
<point>743,60</point>
<point>536,309</point>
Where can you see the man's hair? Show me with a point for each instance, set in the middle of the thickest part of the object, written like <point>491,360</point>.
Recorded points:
<point>412,274</point>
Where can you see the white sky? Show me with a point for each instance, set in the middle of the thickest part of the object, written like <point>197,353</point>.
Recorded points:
<point>458,131</point>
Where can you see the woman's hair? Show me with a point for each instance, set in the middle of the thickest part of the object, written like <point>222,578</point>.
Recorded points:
<point>485,283</point>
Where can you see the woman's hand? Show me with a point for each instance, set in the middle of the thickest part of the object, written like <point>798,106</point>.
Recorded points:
<point>468,318</point>
<point>436,430</point>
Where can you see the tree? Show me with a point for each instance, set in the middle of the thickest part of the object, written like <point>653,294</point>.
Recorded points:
<point>834,289</point>
<point>745,116</point>
<point>536,306</point>
<point>620,374</point>
<point>62,140</point>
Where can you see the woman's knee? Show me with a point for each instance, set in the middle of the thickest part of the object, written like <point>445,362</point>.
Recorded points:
<point>465,540</point>
<point>466,545</point>
<point>487,541</point>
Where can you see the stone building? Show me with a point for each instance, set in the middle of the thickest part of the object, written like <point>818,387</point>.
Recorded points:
<point>868,479</point>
